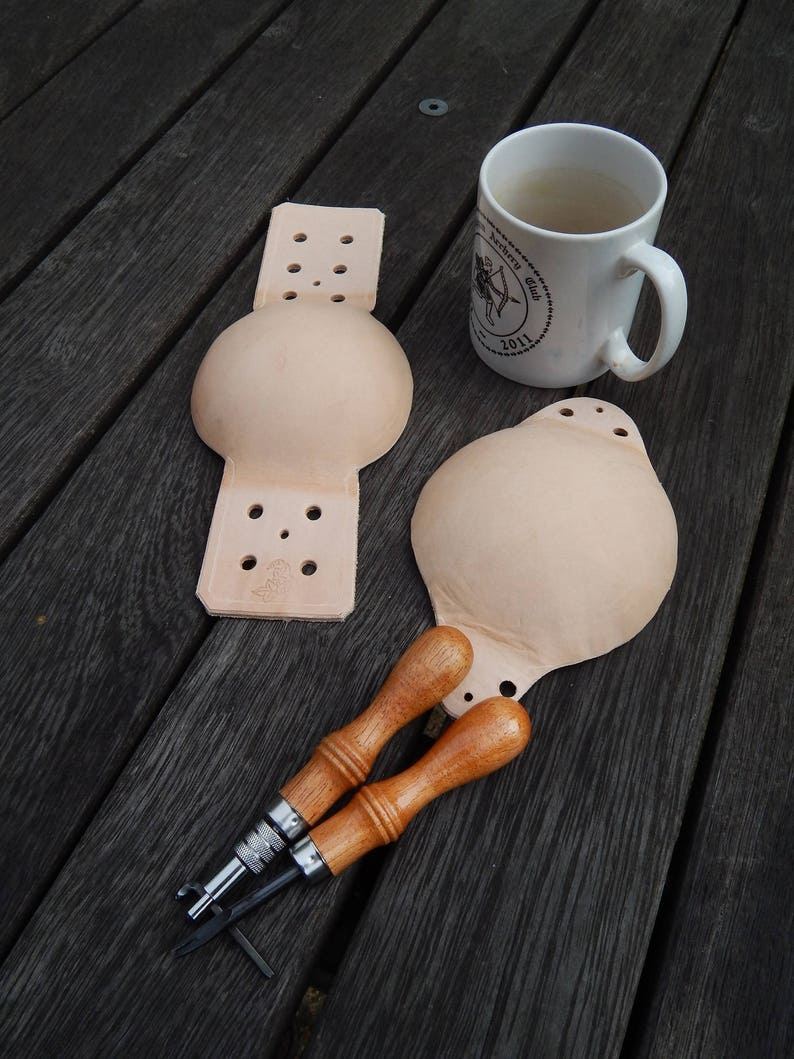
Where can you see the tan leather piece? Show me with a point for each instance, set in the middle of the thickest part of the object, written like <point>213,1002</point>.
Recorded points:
<point>321,252</point>
<point>251,569</point>
<point>546,544</point>
<point>297,397</point>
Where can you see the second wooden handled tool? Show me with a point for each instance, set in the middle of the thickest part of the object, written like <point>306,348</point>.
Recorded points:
<point>487,737</point>
<point>429,670</point>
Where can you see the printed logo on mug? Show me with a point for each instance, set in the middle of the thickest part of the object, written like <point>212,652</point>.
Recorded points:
<point>566,219</point>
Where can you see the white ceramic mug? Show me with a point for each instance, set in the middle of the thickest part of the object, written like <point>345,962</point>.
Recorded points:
<point>554,295</point>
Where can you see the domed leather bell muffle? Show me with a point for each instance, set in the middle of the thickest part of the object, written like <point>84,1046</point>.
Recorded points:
<point>547,543</point>
<point>297,397</point>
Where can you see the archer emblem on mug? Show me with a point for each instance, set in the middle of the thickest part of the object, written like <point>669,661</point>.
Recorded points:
<point>491,284</point>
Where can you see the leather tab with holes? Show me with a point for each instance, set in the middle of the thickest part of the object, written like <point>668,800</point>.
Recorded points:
<point>297,397</point>
<point>326,253</point>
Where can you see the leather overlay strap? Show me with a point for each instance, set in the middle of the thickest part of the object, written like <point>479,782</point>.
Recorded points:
<point>321,253</point>
<point>297,559</point>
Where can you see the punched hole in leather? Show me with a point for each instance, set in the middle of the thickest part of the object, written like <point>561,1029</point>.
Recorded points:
<point>297,397</point>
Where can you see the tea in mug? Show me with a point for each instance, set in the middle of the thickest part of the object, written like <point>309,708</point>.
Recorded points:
<point>576,201</point>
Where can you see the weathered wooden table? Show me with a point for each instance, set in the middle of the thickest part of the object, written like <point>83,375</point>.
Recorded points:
<point>625,887</point>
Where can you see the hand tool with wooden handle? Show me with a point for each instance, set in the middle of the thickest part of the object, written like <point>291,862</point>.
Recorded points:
<point>487,737</point>
<point>428,671</point>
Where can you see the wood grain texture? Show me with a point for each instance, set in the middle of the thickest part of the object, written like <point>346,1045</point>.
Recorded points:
<point>74,136</point>
<point>323,669</point>
<point>490,75</point>
<point>433,666</point>
<point>149,504</point>
<point>96,629</point>
<point>591,85</point>
<point>37,38</point>
<point>483,740</point>
<point>98,313</point>
<point>115,600</point>
<point>156,830</point>
<point>202,766</point>
<point>726,978</point>
<point>540,914</point>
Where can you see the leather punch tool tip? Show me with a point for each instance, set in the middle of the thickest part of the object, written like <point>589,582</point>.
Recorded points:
<point>196,889</point>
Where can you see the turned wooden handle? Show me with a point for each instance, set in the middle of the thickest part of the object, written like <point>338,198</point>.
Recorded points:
<point>430,669</point>
<point>481,741</point>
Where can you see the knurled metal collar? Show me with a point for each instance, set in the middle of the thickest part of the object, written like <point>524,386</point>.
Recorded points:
<point>259,846</point>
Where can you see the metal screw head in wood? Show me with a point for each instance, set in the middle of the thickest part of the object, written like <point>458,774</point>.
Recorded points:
<point>434,108</point>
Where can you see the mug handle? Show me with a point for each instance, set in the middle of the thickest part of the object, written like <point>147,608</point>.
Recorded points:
<point>668,280</point>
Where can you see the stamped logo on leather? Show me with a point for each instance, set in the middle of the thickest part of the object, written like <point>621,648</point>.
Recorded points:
<point>511,307</point>
<point>279,575</point>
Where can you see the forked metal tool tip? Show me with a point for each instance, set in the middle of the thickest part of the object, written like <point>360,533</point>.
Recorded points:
<point>189,888</point>
<point>196,889</point>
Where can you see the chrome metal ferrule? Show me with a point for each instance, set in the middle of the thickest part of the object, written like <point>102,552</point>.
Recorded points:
<point>310,860</point>
<point>285,819</point>
<point>218,885</point>
<point>254,851</point>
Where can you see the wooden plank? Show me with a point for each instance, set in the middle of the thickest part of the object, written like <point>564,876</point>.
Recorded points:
<point>38,38</point>
<point>104,505</point>
<point>726,978</point>
<point>95,317</point>
<point>515,919</point>
<point>111,507</point>
<point>153,831</point>
<point>69,141</point>
<point>153,815</point>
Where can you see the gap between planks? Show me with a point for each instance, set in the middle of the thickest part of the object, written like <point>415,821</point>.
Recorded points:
<point>457,225</point>
<point>116,406</point>
<point>757,534</point>
<point>61,230</point>
<point>55,70</point>
<point>670,903</point>
<point>322,975</point>
<point>395,318</point>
